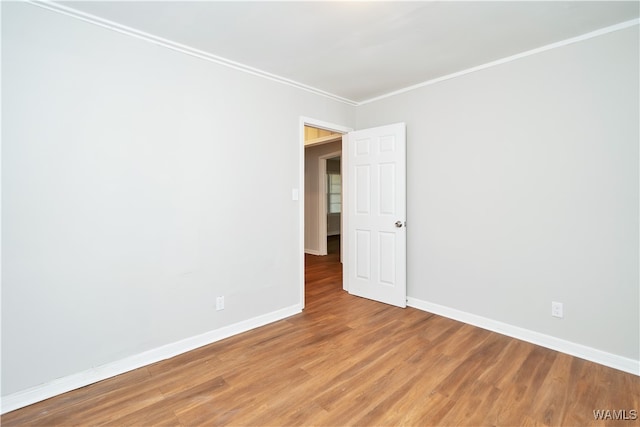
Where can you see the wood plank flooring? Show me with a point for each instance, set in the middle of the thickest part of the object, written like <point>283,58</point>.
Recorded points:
<point>348,361</point>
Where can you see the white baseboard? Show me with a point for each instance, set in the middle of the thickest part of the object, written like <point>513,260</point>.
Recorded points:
<point>588,353</point>
<point>62,385</point>
<point>312,252</point>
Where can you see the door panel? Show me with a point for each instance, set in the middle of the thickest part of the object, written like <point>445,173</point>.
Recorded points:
<point>376,192</point>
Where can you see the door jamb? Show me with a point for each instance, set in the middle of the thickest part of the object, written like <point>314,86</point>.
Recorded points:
<point>322,125</point>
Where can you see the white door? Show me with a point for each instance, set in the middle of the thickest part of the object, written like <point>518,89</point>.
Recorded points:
<point>375,214</point>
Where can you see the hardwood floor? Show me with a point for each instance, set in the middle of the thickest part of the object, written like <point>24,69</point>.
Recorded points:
<point>350,361</point>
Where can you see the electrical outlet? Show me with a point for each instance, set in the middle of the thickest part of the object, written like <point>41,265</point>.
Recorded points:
<point>219,303</point>
<point>557,310</point>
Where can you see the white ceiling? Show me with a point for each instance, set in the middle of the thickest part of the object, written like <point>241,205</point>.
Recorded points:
<point>361,50</point>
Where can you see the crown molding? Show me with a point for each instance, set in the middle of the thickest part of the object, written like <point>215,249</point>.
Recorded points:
<point>141,35</point>
<point>74,13</point>
<point>590,35</point>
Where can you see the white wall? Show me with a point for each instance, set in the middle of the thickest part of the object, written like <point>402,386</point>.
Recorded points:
<point>523,189</point>
<point>312,188</point>
<point>135,189</point>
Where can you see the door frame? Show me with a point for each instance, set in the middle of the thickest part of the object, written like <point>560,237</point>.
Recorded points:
<point>322,199</point>
<point>300,192</point>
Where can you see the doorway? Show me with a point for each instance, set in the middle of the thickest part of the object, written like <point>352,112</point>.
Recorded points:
<point>319,142</point>
<point>374,175</point>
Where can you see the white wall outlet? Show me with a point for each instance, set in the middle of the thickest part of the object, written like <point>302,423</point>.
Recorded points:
<point>219,303</point>
<point>557,310</point>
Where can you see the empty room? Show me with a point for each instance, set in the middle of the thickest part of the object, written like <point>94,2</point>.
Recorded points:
<point>457,244</point>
